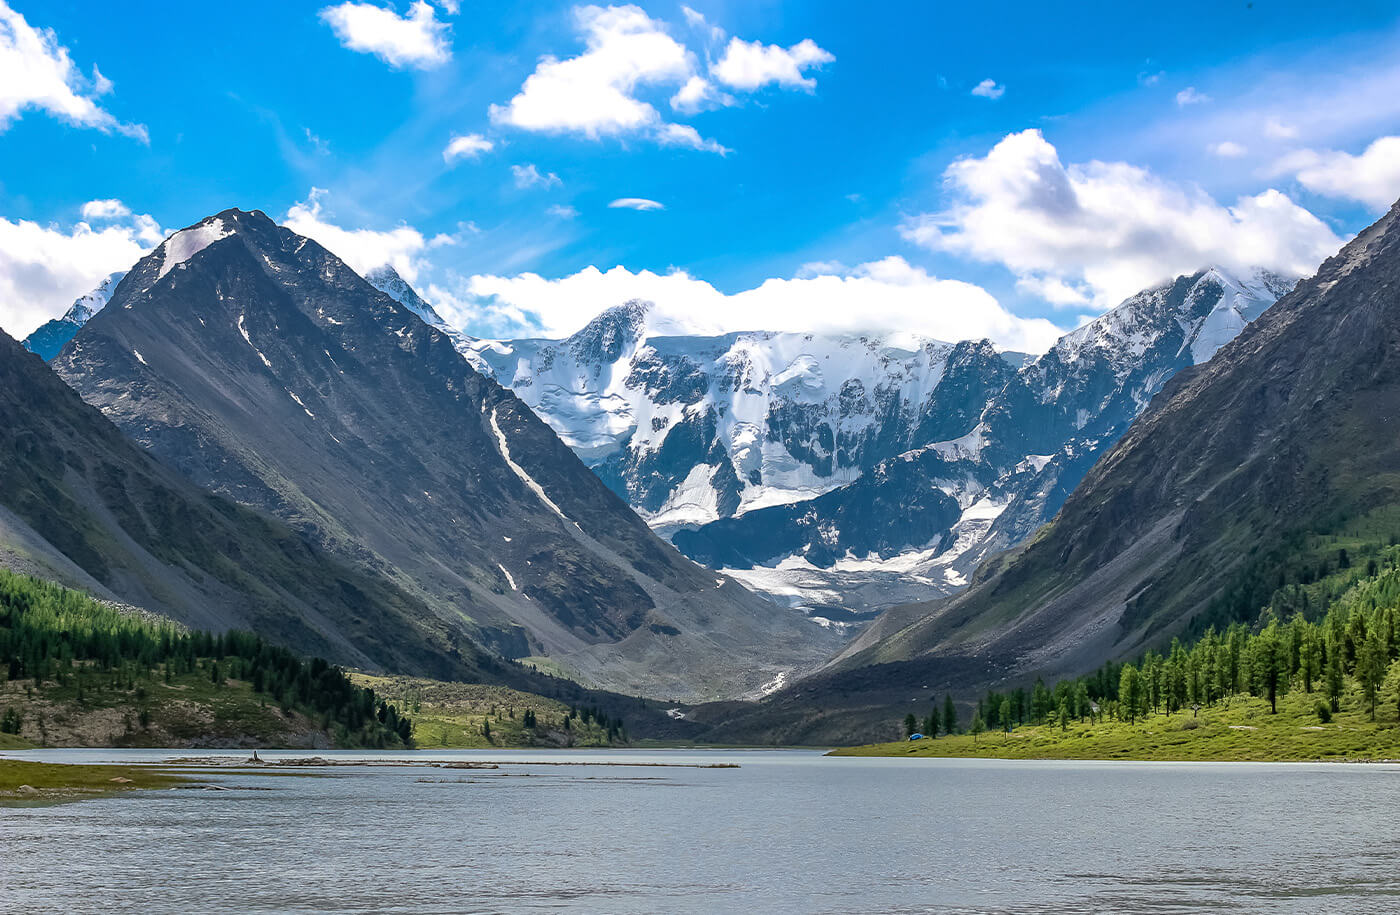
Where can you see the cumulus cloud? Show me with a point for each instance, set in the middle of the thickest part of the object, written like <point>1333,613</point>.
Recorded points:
<point>37,73</point>
<point>110,208</point>
<point>599,93</point>
<point>636,203</point>
<point>415,40</point>
<point>467,146</point>
<point>1190,96</point>
<point>988,88</point>
<point>699,94</point>
<point>1227,149</point>
<point>595,93</point>
<point>1107,229</point>
<point>750,65</point>
<point>1373,178</point>
<point>402,248</point>
<point>527,176</point>
<point>43,268</point>
<point>885,296</point>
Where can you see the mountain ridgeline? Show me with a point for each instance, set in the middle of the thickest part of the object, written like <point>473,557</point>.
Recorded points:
<point>859,472</point>
<point>1207,511</point>
<point>258,364</point>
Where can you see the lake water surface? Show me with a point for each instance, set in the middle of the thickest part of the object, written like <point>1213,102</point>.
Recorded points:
<point>788,831</point>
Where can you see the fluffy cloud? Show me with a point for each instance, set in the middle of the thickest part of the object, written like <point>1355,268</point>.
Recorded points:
<point>44,268</point>
<point>1107,229</point>
<point>594,94</point>
<point>1227,149</point>
<point>417,39</point>
<point>527,176</point>
<point>988,88</point>
<point>363,249</point>
<point>111,208</point>
<point>749,65</point>
<point>468,146</point>
<point>37,73</point>
<point>636,203</point>
<point>886,296</point>
<point>1372,178</point>
<point>626,54</point>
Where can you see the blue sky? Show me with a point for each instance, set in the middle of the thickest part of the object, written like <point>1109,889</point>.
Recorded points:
<point>832,169</point>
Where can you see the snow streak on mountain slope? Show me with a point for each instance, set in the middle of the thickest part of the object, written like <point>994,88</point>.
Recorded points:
<point>53,335</point>
<point>854,473</point>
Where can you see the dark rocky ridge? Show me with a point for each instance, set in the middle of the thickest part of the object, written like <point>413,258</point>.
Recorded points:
<point>82,505</point>
<point>264,368</point>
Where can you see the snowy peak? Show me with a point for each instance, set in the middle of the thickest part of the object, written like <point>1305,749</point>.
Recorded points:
<point>55,334</point>
<point>387,280</point>
<point>608,336</point>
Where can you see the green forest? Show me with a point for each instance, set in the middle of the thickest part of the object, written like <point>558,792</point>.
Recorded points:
<point>1325,644</point>
<point>77,670</point>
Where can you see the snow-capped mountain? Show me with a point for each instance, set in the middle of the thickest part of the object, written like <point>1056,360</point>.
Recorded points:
<point>55,334</point>
<point>856,472</point>
<point>694,429</point>
<point>259,365</point>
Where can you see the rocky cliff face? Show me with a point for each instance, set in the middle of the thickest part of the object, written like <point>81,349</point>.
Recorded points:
<point>856,473</point>
<point>256,362</point>
<point>82,505</point>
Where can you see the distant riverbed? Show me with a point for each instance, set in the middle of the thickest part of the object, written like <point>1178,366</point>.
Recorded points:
<point>787,831</point>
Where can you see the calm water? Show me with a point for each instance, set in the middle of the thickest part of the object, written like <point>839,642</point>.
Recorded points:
<point>786,832</point>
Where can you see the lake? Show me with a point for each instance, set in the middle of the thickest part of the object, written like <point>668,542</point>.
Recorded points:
<point>788,831</point>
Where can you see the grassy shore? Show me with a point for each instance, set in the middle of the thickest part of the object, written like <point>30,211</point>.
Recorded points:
<point>459,715</point>
<point>30,781</point>
<point>1243,730</point>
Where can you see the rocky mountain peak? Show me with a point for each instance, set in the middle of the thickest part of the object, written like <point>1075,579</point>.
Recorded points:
<point>612,332</point>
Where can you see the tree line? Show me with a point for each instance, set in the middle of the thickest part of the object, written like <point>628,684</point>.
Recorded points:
<point>1354,642</point>
<point>52,635</point>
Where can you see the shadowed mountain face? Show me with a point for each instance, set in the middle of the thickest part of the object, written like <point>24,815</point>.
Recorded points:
<point>1289,431</point>
<point>257,363</point>
<point>82,505</point>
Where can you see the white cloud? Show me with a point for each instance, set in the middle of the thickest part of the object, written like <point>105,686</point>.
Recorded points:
<point>697,20</point>
<point>988,88</point>
<point>37,73</point>
<point>885,296</point>
<point>1108,229</point>
<point>636,203</point>
<point>1278,130</point>
<point>44,268</point>
<point>417,39</point>
<point>1227,149</point>
<point>1372,178</point>
<point>699,94</point>
<point>599,93</point>
<point>469,146</point>
<point>363,249</point>
<point>595,93</point>
<point>562,211</point>
<point>110,208</point>
<point>527,176</point>
<point>749,65</point>
<point>1190,96</point>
